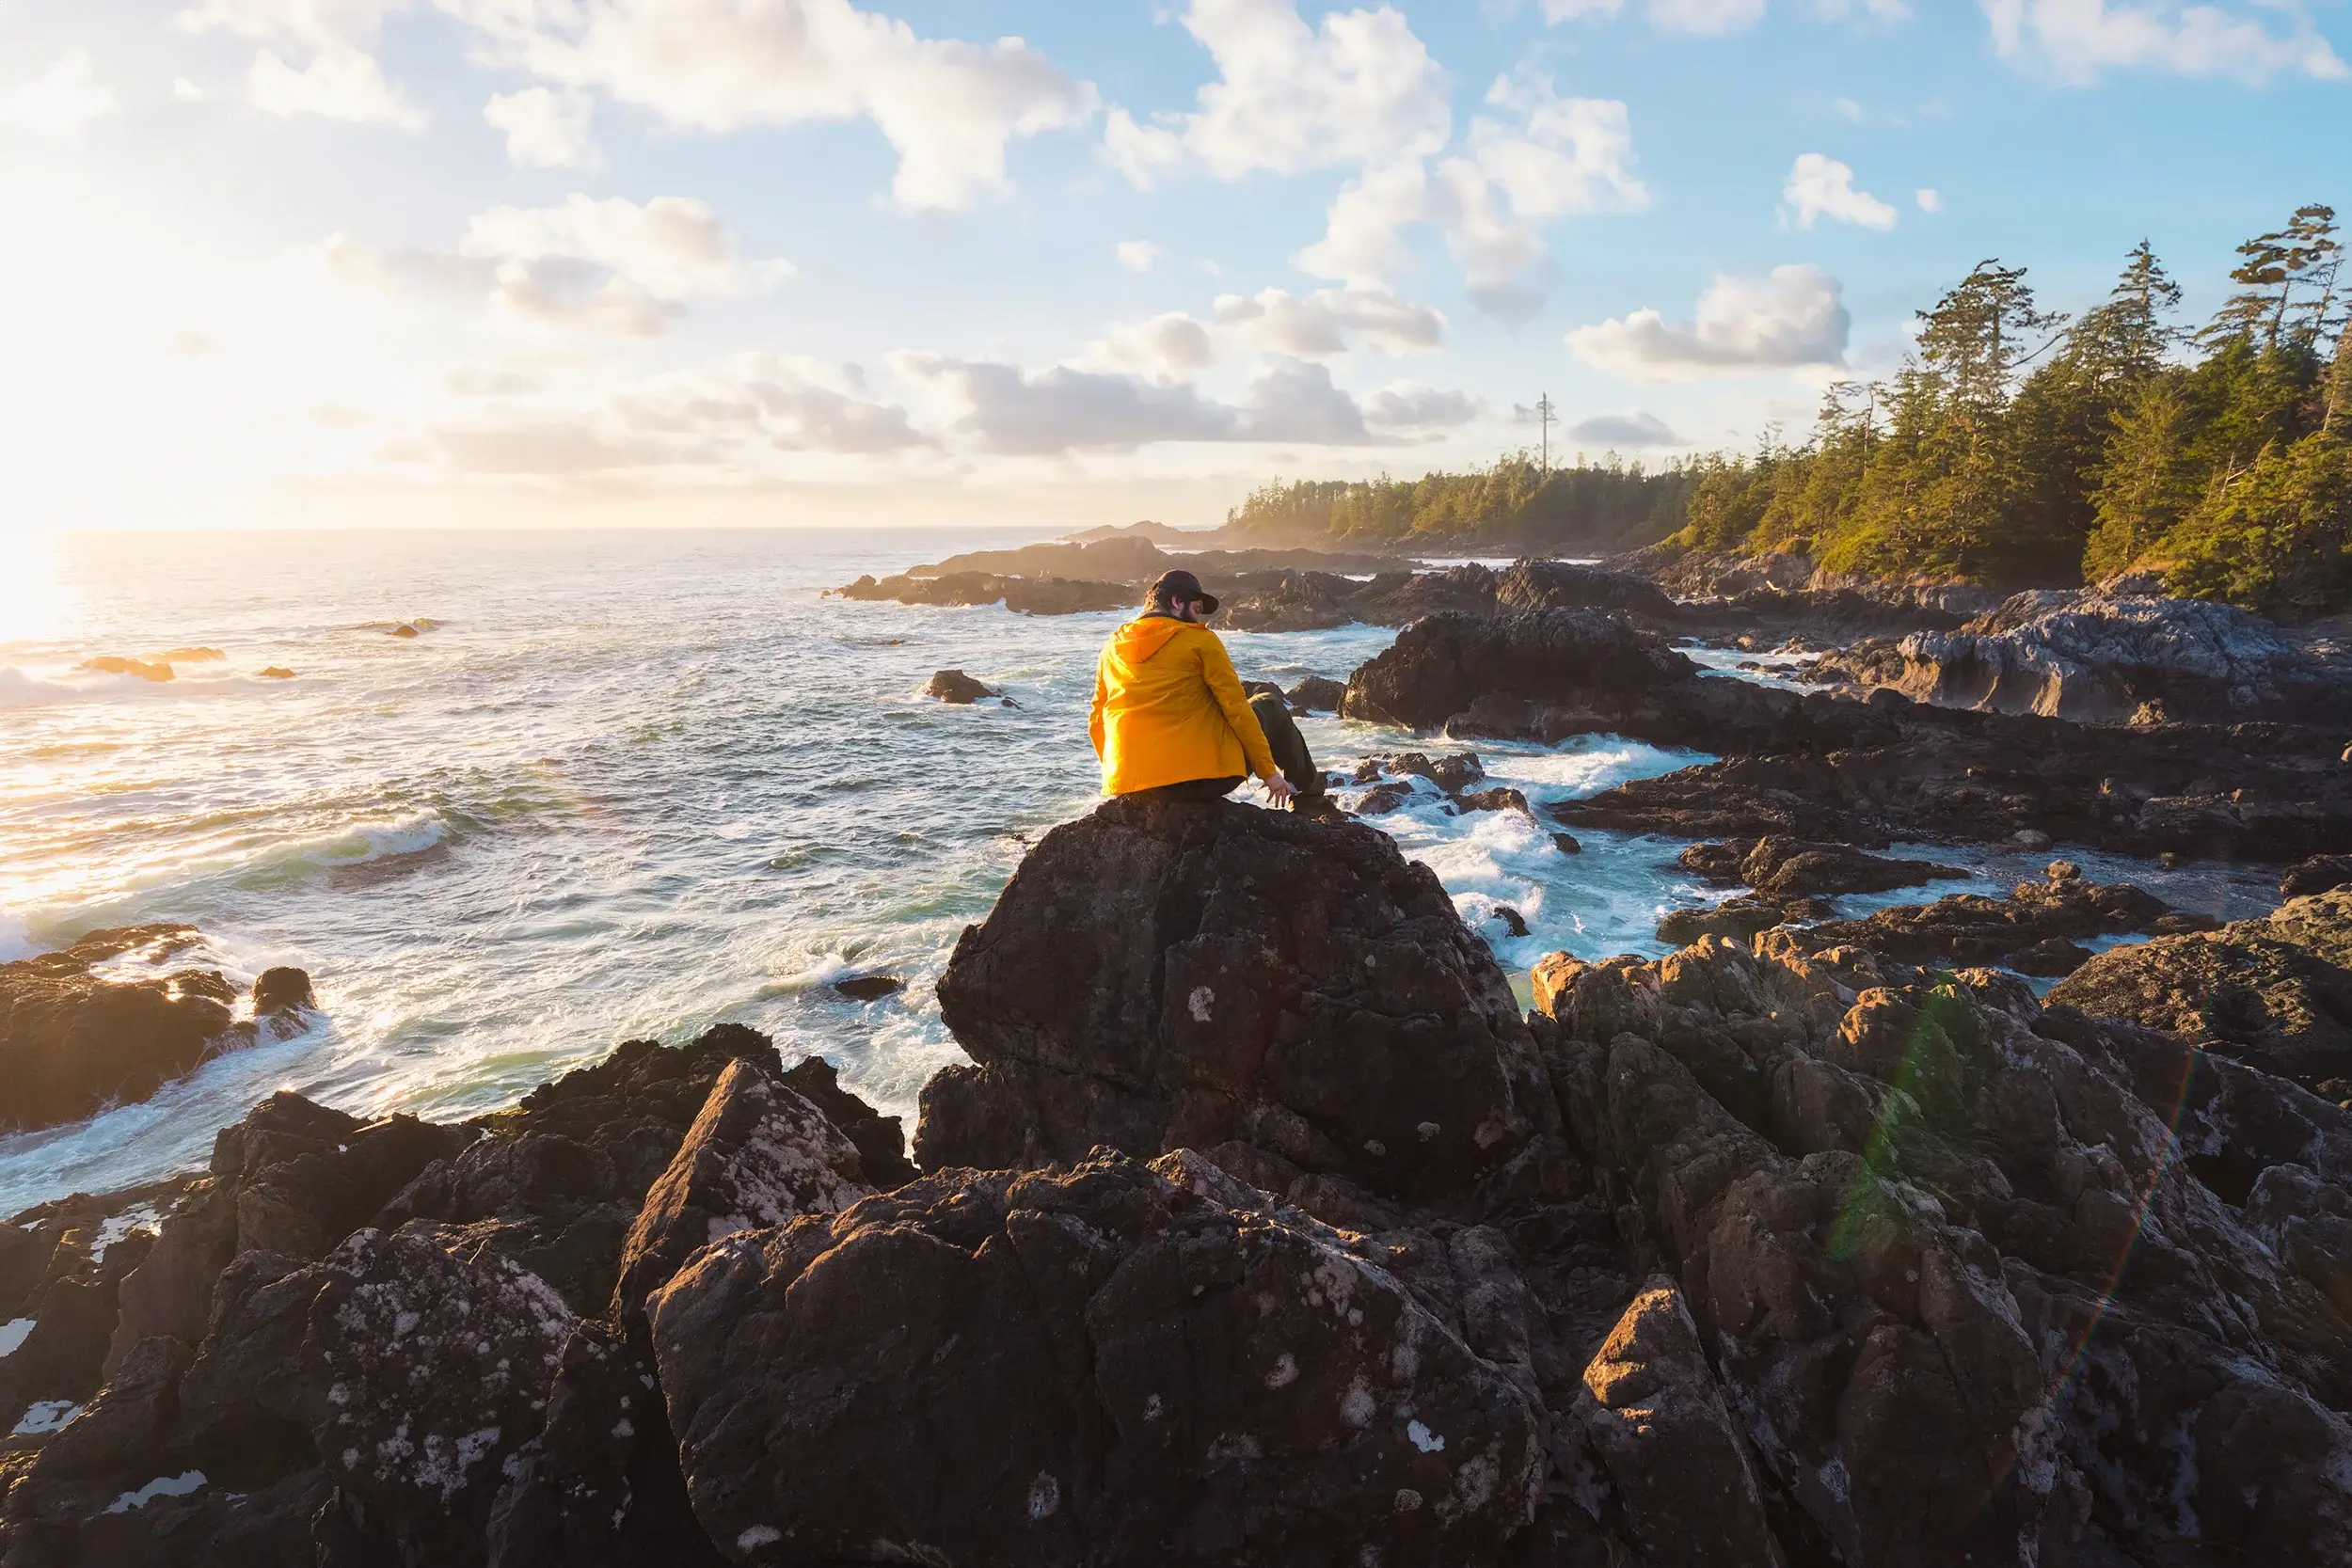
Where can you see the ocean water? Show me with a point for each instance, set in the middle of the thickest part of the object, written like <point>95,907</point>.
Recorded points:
<point>623,785</point>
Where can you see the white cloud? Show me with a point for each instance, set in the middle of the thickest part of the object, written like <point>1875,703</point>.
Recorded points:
<point>319,24</point>
<point>949,107</point>
<point>1627,430</point>
<point>1311,326</point>
<point>1930,199</point>
<point>1357,88</point>
<point>671,246</point>
<point>545,128</point>
<point>609,265</point>
<point>1138,255</point>
<point>727,420</point>
<point>1702,18</point>
<point>1569,155</point>
<point>1272,321</point>
<point>1005,409</point>
<point>1794,317</point>
<point>186,92</point>
<point>1819,187</point>
<point>59,103</point>
<point>339,84</point>
<point>1408,404</point>
<point>2075,41</point>
<point>1717,18</point>
<point>1168,345</point>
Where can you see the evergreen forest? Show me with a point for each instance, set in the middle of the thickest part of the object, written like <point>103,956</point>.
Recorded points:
<point>2015,447</point>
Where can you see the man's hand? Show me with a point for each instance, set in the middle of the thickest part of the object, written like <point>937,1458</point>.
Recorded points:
<point>1277,789</point>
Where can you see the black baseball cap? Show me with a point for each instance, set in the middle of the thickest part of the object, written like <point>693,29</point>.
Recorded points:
<point>1182,588</point>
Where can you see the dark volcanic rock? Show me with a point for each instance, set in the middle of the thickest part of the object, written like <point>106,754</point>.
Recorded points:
<point>756,1156</point>
<point>1899,1210</point>
<point>2035,930</point>
<point>292,1179</point>
<point>428,1368</point>
<point>1317,694</point>
<point>1738,918</point>
<point>1782,867</point>
<point>869,988</point>
<point>954,685</point>
<point>1866,775</point>
<point>2275,993</point>
<point>72,1042</point>
<point>283,991</point>
<point>1160,977</point>
<point>2108,658</point>
<point>1294,601</point>
<point>1654,1415</point>
<point>1100,1368</point>
<point>2319,874</point>
<point>1566,585</point>
<point>1441,666</point>
<point>556,1182</point>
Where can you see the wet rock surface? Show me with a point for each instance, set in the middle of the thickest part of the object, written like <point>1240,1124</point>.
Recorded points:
<point>955,687</point>
<point>114,1017</point>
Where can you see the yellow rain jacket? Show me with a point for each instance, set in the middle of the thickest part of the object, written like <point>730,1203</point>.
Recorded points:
<point>1167,707</point>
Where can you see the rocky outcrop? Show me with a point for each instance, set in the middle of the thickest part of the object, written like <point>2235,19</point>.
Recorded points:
<point>2038,929</point>
<point>955,687</point>
<point>1162,977</point>
<point>2318,874</point>
<point>756,1156</point>
<point>1900,1209</point>
<point>2275,993</point>
<point>1874,773</point>
<point>2105,657</point>
<point>1454,664</point>
<point>76,1037</point>
<point>1042,596</point>
<point>1316,694</point>
<point>1782,868</point>
<point>1100,1366</point>
<point>366,1342</point>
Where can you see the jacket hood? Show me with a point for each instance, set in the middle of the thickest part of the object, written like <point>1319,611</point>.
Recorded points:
<point>1139,639</point>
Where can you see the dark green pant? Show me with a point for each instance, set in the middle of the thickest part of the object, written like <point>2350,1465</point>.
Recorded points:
<point>1290,754</point>
<point>1288,746</point>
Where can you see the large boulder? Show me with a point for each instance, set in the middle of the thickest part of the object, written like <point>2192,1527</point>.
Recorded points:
<point>1159,977</point>
<point>1099,1367</point>
<point>76,1038</point>
<point>1570,585</point>
<point>2275,993</point>
<point>2098,657</point>
<point>1441,666</point>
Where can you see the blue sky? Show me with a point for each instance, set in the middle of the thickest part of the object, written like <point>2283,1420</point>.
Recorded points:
<point>432,261</point>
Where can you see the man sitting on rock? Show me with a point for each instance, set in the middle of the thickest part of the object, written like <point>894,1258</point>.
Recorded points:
<point>1169,717</point>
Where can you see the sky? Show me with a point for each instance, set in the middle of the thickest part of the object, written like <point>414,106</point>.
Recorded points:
<point>467,262</point>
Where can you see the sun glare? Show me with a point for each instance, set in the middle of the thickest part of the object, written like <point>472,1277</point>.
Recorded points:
<point>35,604</point>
